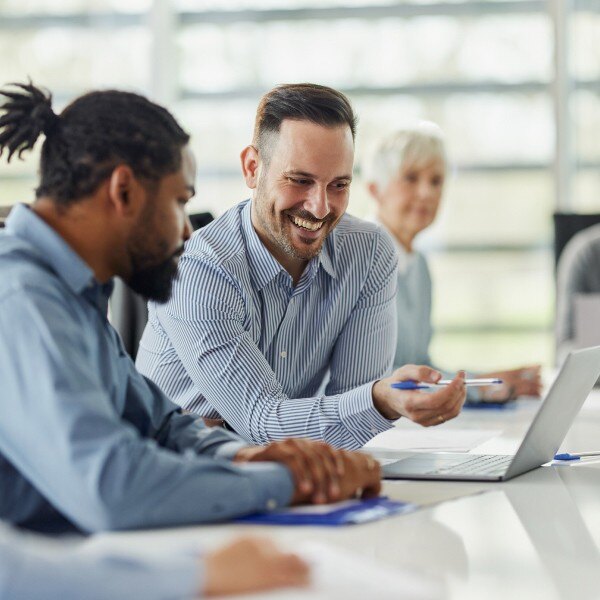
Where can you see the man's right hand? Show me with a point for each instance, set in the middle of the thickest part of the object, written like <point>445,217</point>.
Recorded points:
<point>426,409</point>
<point>321,473</point>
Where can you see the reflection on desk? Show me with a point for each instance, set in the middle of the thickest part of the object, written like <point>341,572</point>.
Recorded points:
<point>534,537</point>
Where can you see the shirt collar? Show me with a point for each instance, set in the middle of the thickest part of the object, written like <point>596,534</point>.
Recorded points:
<point>264,265</point>
<point>24,224</point>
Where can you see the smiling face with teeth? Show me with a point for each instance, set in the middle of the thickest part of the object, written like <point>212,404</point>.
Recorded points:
<point>301,189</point>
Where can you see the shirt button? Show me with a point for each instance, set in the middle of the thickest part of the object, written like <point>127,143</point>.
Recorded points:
<point>271,504</point>
<point>373,430</point>
<point>283,354</point>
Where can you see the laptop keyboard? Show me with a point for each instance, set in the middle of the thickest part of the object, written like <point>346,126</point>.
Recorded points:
<point>478,465</point>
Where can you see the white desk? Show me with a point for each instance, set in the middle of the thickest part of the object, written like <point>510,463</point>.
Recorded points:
<point>536,536</point>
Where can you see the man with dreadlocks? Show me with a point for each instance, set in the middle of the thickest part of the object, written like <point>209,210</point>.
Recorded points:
<point>84,438</point>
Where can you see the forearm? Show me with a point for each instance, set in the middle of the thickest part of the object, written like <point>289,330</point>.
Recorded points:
<point>183,432</point>
<point>144,487</point>
<point>35,568</point>
<point>346,420</point>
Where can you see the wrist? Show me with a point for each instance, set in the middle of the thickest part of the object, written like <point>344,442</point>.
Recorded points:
<point>380,401</point>
<point>246,454</point>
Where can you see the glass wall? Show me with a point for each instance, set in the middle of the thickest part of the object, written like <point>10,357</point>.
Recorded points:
<point>483,70</point>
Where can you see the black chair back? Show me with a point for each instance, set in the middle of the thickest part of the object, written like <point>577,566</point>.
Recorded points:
<point>566,225</point>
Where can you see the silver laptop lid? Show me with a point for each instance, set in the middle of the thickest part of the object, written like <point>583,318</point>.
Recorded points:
<point>572,386</point>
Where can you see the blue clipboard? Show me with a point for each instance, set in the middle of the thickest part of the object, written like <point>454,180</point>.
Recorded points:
<point>349,513</point>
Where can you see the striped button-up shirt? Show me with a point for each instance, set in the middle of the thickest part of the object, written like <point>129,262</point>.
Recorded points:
<point>239,341</point>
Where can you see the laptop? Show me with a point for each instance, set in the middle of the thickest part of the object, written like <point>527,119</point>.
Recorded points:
<point>563,401</point>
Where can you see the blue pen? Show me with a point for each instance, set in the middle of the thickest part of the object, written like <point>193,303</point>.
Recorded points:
<point>418,385</point>
<point>575,455</point>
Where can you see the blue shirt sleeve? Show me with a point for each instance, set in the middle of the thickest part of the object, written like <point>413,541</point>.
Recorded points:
<point>62,431</point>
<point>39,569</point>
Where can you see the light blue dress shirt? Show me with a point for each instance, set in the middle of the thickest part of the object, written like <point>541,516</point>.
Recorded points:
<point>34,568</point>
<point>81,431</point>
<point>239,341</point>
<point>413,306</point>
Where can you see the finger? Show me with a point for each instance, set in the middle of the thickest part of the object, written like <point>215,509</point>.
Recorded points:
<point>434,402</point>
<point>368,475</point>
<point>286,453</point>
<point>291,570</point>
<point>329,459</point>
<point>373,487</point>
<point>417,373</point>
<point>316,469</point>
<point>441,406</point>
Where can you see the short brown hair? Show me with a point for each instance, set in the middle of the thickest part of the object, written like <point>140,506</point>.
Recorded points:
<point>301,102</point>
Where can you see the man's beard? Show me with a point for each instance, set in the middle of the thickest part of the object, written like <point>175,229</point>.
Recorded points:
<point>152,275</point>
<point>154,281</point>
<point>277,226</point>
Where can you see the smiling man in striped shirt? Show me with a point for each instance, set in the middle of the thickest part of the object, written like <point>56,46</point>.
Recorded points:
<point>286,287</point>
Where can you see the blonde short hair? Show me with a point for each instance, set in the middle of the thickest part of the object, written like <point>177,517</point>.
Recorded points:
<point>416,145</point>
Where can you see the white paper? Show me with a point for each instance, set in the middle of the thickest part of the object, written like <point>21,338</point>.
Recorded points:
<point>341,575</point>
<point>427,440</point>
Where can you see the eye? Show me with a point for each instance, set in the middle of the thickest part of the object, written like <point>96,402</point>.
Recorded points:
<point>437,181</point>
<point>299,181</point>
<point>340,185</point>
<point>411,177</point>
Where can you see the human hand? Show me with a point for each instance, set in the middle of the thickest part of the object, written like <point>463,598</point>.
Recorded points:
<point>362,478</point>
<point>251,564</point>
<point>424,408</point>
<point>317,468</point>
<point>525,381</point>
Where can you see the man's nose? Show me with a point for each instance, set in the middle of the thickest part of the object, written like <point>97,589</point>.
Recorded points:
<point>317,202</point>
<point>187,229</point>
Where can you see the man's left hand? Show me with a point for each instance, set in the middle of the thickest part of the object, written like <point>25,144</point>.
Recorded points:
<point>319,470</point>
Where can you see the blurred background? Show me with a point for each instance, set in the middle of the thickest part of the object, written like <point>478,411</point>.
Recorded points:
<point>515,85</point>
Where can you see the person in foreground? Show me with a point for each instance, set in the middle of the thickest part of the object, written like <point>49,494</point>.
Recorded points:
<point>407,175</point>
<point>36,568</point>
<point>84,438</point>
<point>286,287</point>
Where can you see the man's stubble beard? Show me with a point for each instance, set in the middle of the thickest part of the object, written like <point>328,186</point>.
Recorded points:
<point>276,228</point>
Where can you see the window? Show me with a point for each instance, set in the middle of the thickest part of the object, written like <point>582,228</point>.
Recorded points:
<point>484,70</point>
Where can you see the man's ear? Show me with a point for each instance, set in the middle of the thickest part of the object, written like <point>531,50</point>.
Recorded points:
<point>250,165</point>
<point>124,191</point>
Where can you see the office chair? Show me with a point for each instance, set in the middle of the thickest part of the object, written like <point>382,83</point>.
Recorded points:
<point>566,225</point>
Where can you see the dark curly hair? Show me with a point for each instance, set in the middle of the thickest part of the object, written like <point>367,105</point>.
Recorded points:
<point>94,134</point>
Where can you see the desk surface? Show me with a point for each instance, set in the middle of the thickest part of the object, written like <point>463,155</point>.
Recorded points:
<point>536,536</point>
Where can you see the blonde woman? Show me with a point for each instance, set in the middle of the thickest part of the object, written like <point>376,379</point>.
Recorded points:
<point>406,179</point>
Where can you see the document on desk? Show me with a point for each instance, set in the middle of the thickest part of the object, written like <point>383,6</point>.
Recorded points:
<point>342,575</point>
<point>348,512</point>
<point>440,439</point>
